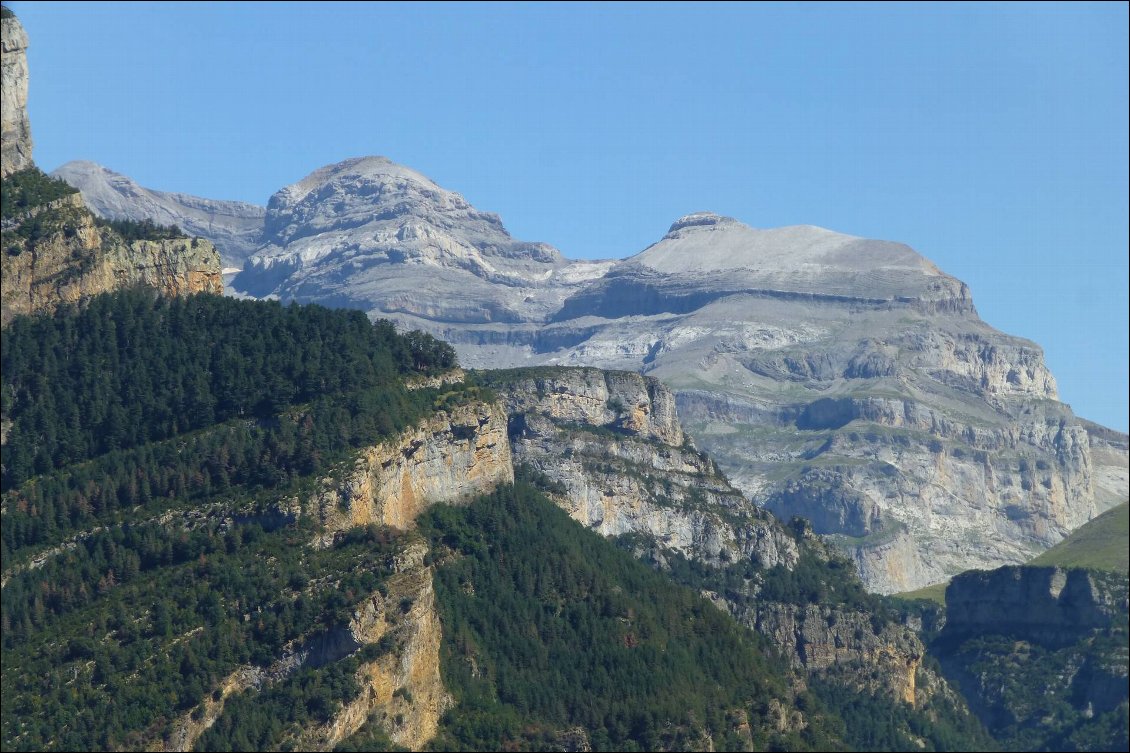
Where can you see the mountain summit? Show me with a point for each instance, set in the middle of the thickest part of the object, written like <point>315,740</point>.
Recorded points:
<point>373,234</point>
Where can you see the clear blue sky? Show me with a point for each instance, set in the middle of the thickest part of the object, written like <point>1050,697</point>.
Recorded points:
<point>992,138</point>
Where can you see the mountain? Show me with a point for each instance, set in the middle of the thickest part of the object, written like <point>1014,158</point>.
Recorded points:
<point>846,380</point>
<point>233,227</point>
<point>371,234</point>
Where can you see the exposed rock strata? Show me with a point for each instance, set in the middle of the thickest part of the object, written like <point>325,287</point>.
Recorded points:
<point>70,259</point>
<point>819,638</point>
<point>450,456</point>
<point>614,445</point>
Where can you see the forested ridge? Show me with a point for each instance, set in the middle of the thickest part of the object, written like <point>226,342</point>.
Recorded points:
<point>153,441</point>
<point>134,367</point>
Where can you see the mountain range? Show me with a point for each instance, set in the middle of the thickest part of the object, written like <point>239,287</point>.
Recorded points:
<point>236,525</point>
<point>846,380</point>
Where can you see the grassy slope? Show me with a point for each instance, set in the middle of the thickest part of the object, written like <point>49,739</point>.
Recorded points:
<point>1102,544</point>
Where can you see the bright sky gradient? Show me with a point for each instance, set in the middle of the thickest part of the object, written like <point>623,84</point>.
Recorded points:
<point>991,138</point>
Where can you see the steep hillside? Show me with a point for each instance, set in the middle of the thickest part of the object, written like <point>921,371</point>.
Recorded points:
<point>1099,545</point>
<point>163,555</point>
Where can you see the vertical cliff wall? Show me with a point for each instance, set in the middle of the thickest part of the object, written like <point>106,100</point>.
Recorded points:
<point>15,127</point>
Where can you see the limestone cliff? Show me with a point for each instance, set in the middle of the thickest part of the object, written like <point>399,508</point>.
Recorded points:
<point>57,254</point>
<point>613,444</point>
<point>1047,605</point>
<point>885,656</point>
<point>401,689</point>
<point>450,456</point>
<point>15,128</point>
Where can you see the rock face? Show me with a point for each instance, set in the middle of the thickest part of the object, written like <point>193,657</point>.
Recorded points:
<point>844,379</point>
<point>451,456</point>
<point>821,638</point>
<point>1047,605</point>
<point>401,689</point>
<point>612,444</point>
<point>69,258</point>
<point>15,127</point>
<point>1110,464</point>
<point>851,382</point>
<point>233,227</point>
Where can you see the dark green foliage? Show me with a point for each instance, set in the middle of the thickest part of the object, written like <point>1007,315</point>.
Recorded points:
<point>548,631</point>
<point>1034,697</point>
<point>873,722</point>
<point>145,230</point>
<point>861,718</point>
<point>132,368</point>
<point>135,627</point>
<point>29,188</point>
<point>248,456</point>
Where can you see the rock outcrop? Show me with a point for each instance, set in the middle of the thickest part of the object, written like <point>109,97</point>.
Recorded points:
<point>15,127</point>
<point>451,456</point>
<point>65,257</point>
<point>886,655</point>
<point>401,689</point>
<point>233,227</point>
<point>1046,605</point>
<point>612,444</point>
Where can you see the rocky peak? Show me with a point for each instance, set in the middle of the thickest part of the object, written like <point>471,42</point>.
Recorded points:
<point>362,190</point>
<point>705,242</point>
<point>698,220</point>
<point>330,235</point>
<point>14,123</point>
